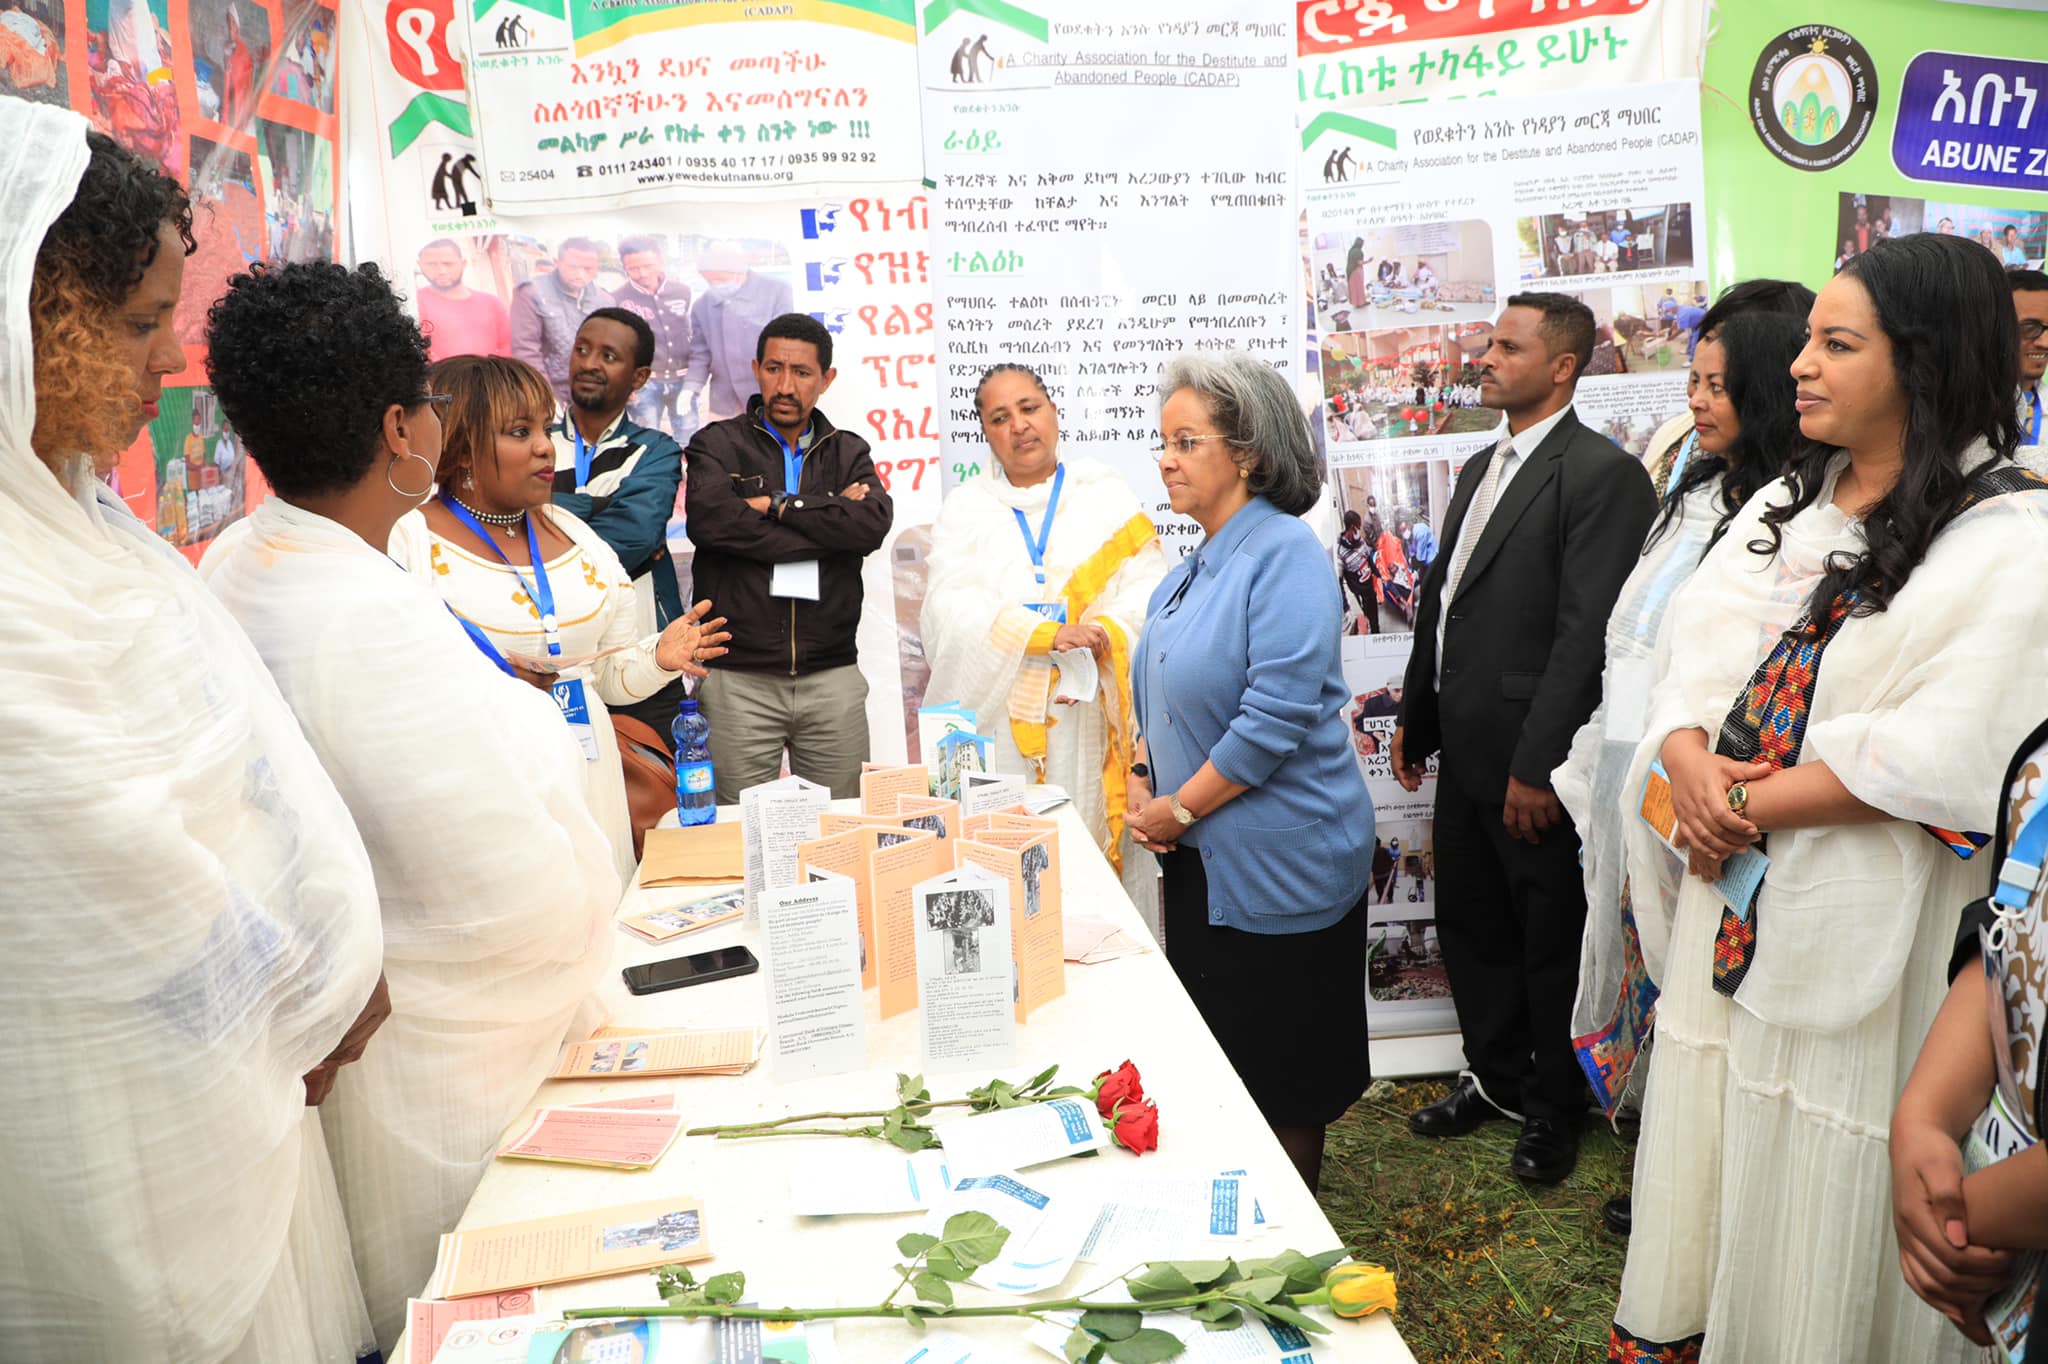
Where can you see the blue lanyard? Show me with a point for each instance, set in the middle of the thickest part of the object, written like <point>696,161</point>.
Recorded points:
<point>2021,871</point>
<point>2035,439</point>
<point>584,454</point>
<point>792,459</point>
<point>1036,548</point>
<point>483,642</point>
<point>543,596</point>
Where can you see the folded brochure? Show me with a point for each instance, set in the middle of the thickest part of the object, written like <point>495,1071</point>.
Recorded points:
<point>582,1245</point>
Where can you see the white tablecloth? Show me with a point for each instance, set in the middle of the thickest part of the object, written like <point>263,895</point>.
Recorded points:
<point>1130,1008</point>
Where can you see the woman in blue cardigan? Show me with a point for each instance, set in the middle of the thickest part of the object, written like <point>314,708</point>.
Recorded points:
<point>1261,821</point>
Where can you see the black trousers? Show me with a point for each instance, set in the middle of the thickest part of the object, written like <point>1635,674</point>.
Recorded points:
<point>1509,916</point>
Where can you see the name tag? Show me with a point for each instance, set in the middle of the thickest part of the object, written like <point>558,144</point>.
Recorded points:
<point>575,707</point>
<point>797,581</point>
<point>1051,610</point>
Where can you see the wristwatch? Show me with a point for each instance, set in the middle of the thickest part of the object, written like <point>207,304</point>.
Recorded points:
<point>1738,798</point>
<point>1180,812</point>
<point>1141,772</point>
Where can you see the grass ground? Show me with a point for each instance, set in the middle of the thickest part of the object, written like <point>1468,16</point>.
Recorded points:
<point>1488,1268</point>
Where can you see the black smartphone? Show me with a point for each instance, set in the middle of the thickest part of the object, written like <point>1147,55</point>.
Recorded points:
<point>695,969</point>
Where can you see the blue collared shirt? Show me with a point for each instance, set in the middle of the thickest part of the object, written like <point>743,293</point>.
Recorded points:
<point>1238,666</point>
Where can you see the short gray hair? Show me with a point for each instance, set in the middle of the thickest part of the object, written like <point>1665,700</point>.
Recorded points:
<point>1260,417</point>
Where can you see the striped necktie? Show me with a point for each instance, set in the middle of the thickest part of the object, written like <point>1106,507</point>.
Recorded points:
<point>1476,517</point>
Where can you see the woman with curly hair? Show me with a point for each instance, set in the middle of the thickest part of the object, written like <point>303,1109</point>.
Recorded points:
<point>191,938</point>
<point>496,882</point>
<point>1853,662</point>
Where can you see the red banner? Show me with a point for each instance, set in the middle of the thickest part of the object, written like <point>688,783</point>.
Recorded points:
<point>1325,26</point>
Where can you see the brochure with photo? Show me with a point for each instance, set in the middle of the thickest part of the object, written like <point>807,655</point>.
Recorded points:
<point>582,1245</point>
<point>660,925</point>
<point>966,980</point>
<point>1028,863</point>
<point>700,1051</point>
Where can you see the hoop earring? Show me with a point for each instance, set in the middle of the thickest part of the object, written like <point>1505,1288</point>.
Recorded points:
<point>409,496</point>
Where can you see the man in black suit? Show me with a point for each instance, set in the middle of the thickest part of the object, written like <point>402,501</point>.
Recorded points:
<point>1542,531</point>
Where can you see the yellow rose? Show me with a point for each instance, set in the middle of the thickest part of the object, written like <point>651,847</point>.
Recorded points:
<point>1357,1290</point>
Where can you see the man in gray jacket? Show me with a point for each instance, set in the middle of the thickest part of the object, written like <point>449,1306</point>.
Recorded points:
<point>725,322</point>
<point>547,310</point>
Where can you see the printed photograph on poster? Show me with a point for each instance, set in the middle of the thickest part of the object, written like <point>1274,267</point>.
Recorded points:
<point>298,192</point>
<point>227,222</point>
<point>705,298</point>
<point>305,66</point>
<point>1629,411</point>
<point>1605,241</point>
<point>1387,515</point>
<point>907,583</point>
<point>1384,274</point>
<point>1375,669</point>
<point>129,60</point>
<point>459,288</point>
<point>230,48</point>
<point>1404,961</point>
<point>32,51</point>
<point>2017,236</point>
<point>1405,382</point>
<point>1643,328</point>
<point>200,470</point>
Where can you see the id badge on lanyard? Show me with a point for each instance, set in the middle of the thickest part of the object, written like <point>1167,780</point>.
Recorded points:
<point>1035,547</point>
<point>568,693</point>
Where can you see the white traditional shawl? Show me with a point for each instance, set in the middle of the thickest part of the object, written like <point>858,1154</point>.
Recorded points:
<point>190,924</point>
<point>1104,551</point>
<point>1916,710</point>
<point>595,606</point>
<point>496,882</point>
<point>1591,781</point>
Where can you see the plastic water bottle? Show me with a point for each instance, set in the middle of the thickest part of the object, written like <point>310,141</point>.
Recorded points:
<point>696,801</point>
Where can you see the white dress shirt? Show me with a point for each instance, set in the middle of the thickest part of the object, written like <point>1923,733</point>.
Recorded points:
<point>1521,445</point>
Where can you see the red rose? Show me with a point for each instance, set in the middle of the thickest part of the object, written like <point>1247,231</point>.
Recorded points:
<point>1137,1127</point>
<point>1121,1085</point>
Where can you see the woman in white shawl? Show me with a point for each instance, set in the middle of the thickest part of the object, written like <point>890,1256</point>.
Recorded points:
<point>496,882</point>
<point>1043,564</point>
<point>1846,752</point>
<point>1742,435</point>
<point>191,932</point>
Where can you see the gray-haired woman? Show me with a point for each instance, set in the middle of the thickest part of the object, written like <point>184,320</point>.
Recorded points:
<point>1262,820</point>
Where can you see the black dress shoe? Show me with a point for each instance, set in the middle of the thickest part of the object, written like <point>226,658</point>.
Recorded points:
<point>1546,1151</point>
<point>1462,1110</point>
<point>1614,1214</point>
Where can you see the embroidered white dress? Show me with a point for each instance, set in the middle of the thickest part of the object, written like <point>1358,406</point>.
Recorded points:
<point>497,886</point>
<point>191,920</point>
<point>595,609</point>
<point>976,626</point>
<point>1762,1181</point>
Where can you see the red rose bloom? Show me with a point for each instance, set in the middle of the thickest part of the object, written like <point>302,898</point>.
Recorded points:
<point>1114,1087</point>
<point>1137,1127</point>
